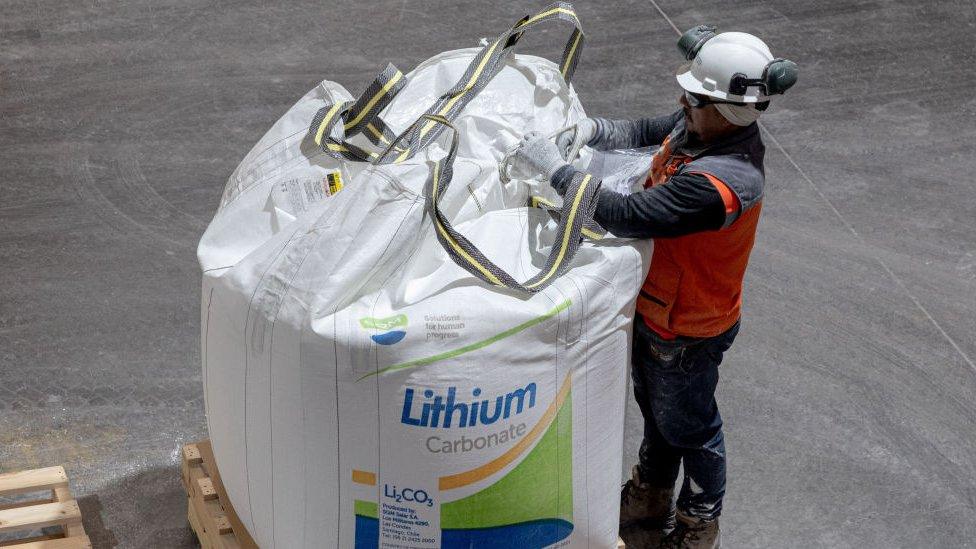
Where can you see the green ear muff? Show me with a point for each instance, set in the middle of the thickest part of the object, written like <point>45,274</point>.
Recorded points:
<point>778,76</point>
<point>691,41</point>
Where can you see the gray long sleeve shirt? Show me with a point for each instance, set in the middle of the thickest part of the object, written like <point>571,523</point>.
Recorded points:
<point>685,204</point>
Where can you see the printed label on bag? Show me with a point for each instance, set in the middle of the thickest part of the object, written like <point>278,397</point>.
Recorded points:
<point>296,195</point>
<point>408,517</point>
<point>459,461</point>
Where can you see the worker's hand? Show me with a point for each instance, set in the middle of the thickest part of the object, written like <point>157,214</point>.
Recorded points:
<point>537,154</point>
<point>585,130</point>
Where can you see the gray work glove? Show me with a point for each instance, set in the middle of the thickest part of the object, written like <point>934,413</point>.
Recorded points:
<point>537,154</point>
<point>585,130</point>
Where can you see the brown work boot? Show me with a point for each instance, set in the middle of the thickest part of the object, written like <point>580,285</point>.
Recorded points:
<point>693,533</point>
<point>636,536</point>
<point>649,506</point>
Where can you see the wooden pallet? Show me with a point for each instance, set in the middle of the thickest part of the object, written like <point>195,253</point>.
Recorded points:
<point>56,508</point>
<point>208,508</point>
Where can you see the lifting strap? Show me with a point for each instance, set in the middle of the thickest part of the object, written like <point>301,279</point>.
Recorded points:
<point>333,124</point>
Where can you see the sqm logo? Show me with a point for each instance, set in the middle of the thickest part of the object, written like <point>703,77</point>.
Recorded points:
<point>392,329</point>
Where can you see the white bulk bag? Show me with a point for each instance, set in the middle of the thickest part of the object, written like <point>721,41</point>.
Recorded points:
<point>366,383</point>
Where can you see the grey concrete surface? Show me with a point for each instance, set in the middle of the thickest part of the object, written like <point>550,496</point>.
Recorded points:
<point>848,397</point>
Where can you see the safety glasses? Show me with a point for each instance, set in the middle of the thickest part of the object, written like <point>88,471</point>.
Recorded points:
<point>697,100</point>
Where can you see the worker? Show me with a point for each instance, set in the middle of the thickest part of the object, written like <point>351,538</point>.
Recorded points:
<point>700,203</point>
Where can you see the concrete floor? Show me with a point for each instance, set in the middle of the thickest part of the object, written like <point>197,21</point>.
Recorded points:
<point>848,397</point>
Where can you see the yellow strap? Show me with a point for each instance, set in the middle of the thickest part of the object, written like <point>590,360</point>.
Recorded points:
<point>536,200</point>
<point>457,248</point>
<point>484,61</point>
<point>447,106</point>
<point>572,51</point>
<point>402,156</point>
<point>379,135</point>
<point>565,242</point>
<point>375,98</point>
<point>492,278</point>
<point>545,14</point>
<point>325,122</point>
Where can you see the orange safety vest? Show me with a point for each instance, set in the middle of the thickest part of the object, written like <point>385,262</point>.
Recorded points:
<point>694,286</point>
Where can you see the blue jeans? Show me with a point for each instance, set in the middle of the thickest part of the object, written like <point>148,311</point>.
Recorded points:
<point>674,383</point>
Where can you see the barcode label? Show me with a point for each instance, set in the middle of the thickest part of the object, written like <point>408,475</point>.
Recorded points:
<point>335,181</point>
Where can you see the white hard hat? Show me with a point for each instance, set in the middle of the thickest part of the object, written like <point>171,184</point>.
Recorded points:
<point>732,66</point>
